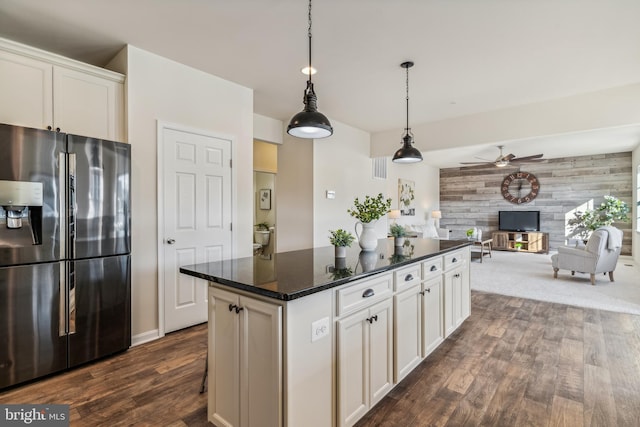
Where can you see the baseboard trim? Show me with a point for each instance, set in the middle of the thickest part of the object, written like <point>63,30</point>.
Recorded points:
<point>144,337</point>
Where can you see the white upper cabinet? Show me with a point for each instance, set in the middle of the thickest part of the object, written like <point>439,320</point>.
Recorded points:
<point>47,91</point>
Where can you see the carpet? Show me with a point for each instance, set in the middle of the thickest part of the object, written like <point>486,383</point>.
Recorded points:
<point>528,275</point>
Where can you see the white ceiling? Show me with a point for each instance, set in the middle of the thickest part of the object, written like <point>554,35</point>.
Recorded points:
<point>470,56</point>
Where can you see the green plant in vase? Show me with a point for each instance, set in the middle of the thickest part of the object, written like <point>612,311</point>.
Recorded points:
<point>341,239</point>
<point>367,212</point>
<point>398,232</point>
<point>611,210</point>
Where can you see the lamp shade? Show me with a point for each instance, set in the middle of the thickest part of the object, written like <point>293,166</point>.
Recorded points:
<point>394,214</point>
<point>436,214</point>
<point>407,153</point>
<point>309,124</point>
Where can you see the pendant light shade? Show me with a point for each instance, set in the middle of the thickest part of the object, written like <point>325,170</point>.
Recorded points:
<point>407,153</point>
<point>310,123</point>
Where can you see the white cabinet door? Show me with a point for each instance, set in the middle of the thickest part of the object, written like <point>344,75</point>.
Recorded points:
<point>261,369</point>
<point>408,331</point>
<point>380,350</point>
<point>449,302</point>
<point>245,361</point>
<point>224,359</point>
<point>465,295</point>
<point>365,360</point>
<point>432,328</point>
<point>353,368</point>
<point>88,105</point>
<point>27,94</point>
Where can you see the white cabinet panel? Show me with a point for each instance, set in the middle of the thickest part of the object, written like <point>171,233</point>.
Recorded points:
<point>245,361</point>
<point>432,328</point>
<point>408,331</point>
<point>27,91</point>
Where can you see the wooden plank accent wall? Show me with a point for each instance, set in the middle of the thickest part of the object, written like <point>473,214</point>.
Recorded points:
<point>470,196</point>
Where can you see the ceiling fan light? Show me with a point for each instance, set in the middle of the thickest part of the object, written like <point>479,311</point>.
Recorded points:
<point>502,163</point>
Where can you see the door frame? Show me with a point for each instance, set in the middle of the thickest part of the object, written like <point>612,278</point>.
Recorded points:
<point>161,127</point>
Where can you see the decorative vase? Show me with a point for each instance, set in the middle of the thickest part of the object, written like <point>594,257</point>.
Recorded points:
<point>398,241</point>
<point>368,260</point>
<point>367,240</point>
<point>341,251</point>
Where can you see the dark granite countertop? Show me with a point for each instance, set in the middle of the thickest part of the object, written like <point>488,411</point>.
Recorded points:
<point>290,275</point>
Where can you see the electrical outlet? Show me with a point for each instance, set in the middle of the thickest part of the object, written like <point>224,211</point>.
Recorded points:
<point>319,329</point>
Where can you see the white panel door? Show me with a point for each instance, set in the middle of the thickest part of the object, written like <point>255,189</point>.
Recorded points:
<point>197,219</point>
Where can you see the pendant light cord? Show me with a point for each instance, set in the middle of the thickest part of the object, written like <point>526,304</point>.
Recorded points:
<point>407,128</point>
<point>309,33</point>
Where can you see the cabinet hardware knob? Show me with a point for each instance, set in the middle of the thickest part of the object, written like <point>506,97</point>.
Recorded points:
<point>454,260</point>
<point>369,319</point>
<point>368,293</point>
<point>408,277</point>
<point>239,309</point>
<point>375,317</point>
<point>170,241</point>
<point>57,129</point>
<point>434,268</point>
<point>49,128</point>
<point>232,306</point>
<point>428,290</point>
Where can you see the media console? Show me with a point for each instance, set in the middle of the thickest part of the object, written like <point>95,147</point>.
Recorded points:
<point>524,241</point>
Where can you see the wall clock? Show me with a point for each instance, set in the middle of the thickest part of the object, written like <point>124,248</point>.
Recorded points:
<point>520,187</point>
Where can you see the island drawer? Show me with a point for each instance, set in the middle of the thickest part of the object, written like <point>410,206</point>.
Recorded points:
<point>363,293</point>
<point>431,267</point>
<point>453,259</point>
<point>406,277</point>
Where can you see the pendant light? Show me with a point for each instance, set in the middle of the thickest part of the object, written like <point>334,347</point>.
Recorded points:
<point>408,153</point>
<point>310,123</point>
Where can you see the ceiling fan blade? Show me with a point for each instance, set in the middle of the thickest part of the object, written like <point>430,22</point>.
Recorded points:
<point>476,163</point>
<point>525,158</point>
<point>509,157</point>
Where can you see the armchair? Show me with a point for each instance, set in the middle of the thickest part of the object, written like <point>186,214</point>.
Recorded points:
<point>600,255</point>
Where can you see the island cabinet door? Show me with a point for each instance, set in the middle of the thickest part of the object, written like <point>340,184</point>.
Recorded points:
<point>365,360</point>
<point>432,328</point>
<point>407,331</point>
<point>245,361</point>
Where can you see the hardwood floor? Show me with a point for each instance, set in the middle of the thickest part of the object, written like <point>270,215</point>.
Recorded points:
<point>514,362</point>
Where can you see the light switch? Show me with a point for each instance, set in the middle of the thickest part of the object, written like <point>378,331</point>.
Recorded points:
<point>331,194</point>
<point>319,329</point>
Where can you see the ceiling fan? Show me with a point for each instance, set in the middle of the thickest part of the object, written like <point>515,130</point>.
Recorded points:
<point>504,160</point>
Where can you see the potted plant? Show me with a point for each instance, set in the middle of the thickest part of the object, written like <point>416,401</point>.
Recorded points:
<point>610,211</point>
<point>367,212</point>
<point>341,239</point>
<point>470,233</point>
<point>261,233</point>
<point>398,232</point>
<point>517,245</point>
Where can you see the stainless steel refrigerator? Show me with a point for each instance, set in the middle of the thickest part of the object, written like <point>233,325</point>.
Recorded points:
<point>65,263</point>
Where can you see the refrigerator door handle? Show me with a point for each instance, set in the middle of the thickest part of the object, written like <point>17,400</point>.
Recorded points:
<point>72,299</point>
<point>71,212</point>
<point>62,185</point>
<point>62,316</point>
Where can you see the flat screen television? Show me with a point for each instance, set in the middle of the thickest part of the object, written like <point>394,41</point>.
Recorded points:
<point>519,220</point>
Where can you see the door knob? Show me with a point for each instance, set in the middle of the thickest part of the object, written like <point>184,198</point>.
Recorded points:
<point>171,241</point>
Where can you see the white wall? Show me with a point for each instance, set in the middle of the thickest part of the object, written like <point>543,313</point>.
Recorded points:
<point>342,164</point>
<point>607,108</point>
<point>161,89</point>
<point>427,189</point>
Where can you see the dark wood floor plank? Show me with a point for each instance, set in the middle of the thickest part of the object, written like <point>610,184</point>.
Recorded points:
<point>514,362</point>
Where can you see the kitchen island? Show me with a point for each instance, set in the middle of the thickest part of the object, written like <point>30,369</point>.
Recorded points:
<point>303,338</point>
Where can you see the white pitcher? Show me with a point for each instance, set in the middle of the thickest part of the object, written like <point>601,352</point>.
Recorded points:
<point>367,240</point>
